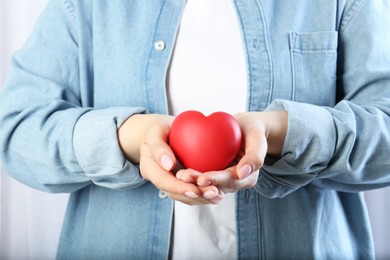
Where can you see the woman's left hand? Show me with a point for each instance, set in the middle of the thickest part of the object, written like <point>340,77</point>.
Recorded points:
<point>263,133</point>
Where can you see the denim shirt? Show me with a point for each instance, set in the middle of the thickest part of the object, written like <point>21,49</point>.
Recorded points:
<point>89,65</point>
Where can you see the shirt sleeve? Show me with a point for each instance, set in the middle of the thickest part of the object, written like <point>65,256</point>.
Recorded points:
<point>345,147</point>
<point>50,138</point>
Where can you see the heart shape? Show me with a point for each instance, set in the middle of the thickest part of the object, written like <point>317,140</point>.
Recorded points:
<point>205,143</point>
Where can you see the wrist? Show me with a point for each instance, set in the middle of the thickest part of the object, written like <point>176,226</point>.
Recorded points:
<point>127,138</point>
<point>276,130</point>
<point>132,133</point>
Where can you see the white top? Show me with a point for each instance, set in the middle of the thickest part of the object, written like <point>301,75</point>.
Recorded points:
<point>207,73</point>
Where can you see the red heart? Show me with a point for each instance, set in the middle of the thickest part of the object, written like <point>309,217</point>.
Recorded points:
<point>205,143</point>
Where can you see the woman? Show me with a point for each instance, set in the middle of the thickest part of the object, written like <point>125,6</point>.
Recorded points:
<point>85,111</point>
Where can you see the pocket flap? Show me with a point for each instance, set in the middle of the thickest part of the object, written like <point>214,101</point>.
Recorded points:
<point>325,41</point>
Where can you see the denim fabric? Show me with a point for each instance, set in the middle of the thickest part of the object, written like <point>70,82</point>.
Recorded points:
<point>89,65</point>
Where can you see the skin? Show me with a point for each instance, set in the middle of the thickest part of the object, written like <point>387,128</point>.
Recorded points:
<point>143,139</point>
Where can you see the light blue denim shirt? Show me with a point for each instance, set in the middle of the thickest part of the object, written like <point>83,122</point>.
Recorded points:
<point>89,65</point>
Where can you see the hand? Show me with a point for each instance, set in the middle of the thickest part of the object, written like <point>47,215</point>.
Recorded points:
<point>263,133</point>
<point>143,140</point>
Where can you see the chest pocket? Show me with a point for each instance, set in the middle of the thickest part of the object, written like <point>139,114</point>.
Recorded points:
<point>314,63</point>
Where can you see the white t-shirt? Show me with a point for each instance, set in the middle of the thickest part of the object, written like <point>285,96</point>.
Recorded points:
<point>207,73</point>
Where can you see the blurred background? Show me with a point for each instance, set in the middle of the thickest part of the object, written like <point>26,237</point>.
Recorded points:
<point>30,220</point>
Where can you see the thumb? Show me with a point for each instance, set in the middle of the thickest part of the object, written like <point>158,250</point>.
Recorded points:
<point>255,151</point>
<point>157,140</point>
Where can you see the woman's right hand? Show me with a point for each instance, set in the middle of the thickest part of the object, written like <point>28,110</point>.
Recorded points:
<point>143,139</point>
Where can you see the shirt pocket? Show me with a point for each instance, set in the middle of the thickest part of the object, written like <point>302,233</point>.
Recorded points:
<point>314,65</point>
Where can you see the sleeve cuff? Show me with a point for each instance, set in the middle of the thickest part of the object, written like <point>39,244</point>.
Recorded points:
<point>308,148</point>
<point>97,149</point>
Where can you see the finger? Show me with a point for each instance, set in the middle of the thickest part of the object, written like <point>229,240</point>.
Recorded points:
<point>210,195</point>
<point>190,201</point>
<point>210,192</point>
<point>219,198</point>
<point>188,175</point>
<point>225,178</point>
<point>255,147</point>
<point>228,181</point>
<point>157,140</point>
<point>176,189</point>
<point>164,180</point>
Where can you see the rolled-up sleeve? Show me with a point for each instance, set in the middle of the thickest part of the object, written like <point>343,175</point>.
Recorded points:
<point>345,147</point>
<point>51,138</point>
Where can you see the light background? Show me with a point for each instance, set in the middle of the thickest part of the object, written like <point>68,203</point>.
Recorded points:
<point>30,220</point>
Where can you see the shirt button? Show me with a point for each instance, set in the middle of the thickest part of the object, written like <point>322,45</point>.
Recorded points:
<point>162,195</point>
<point>159,45</point>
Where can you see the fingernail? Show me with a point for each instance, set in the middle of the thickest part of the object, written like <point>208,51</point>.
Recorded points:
<point>166,162</point>
<point>244,171</point>
<point>210,194</point>
<point>204,183</point>
<point>191,194</point>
